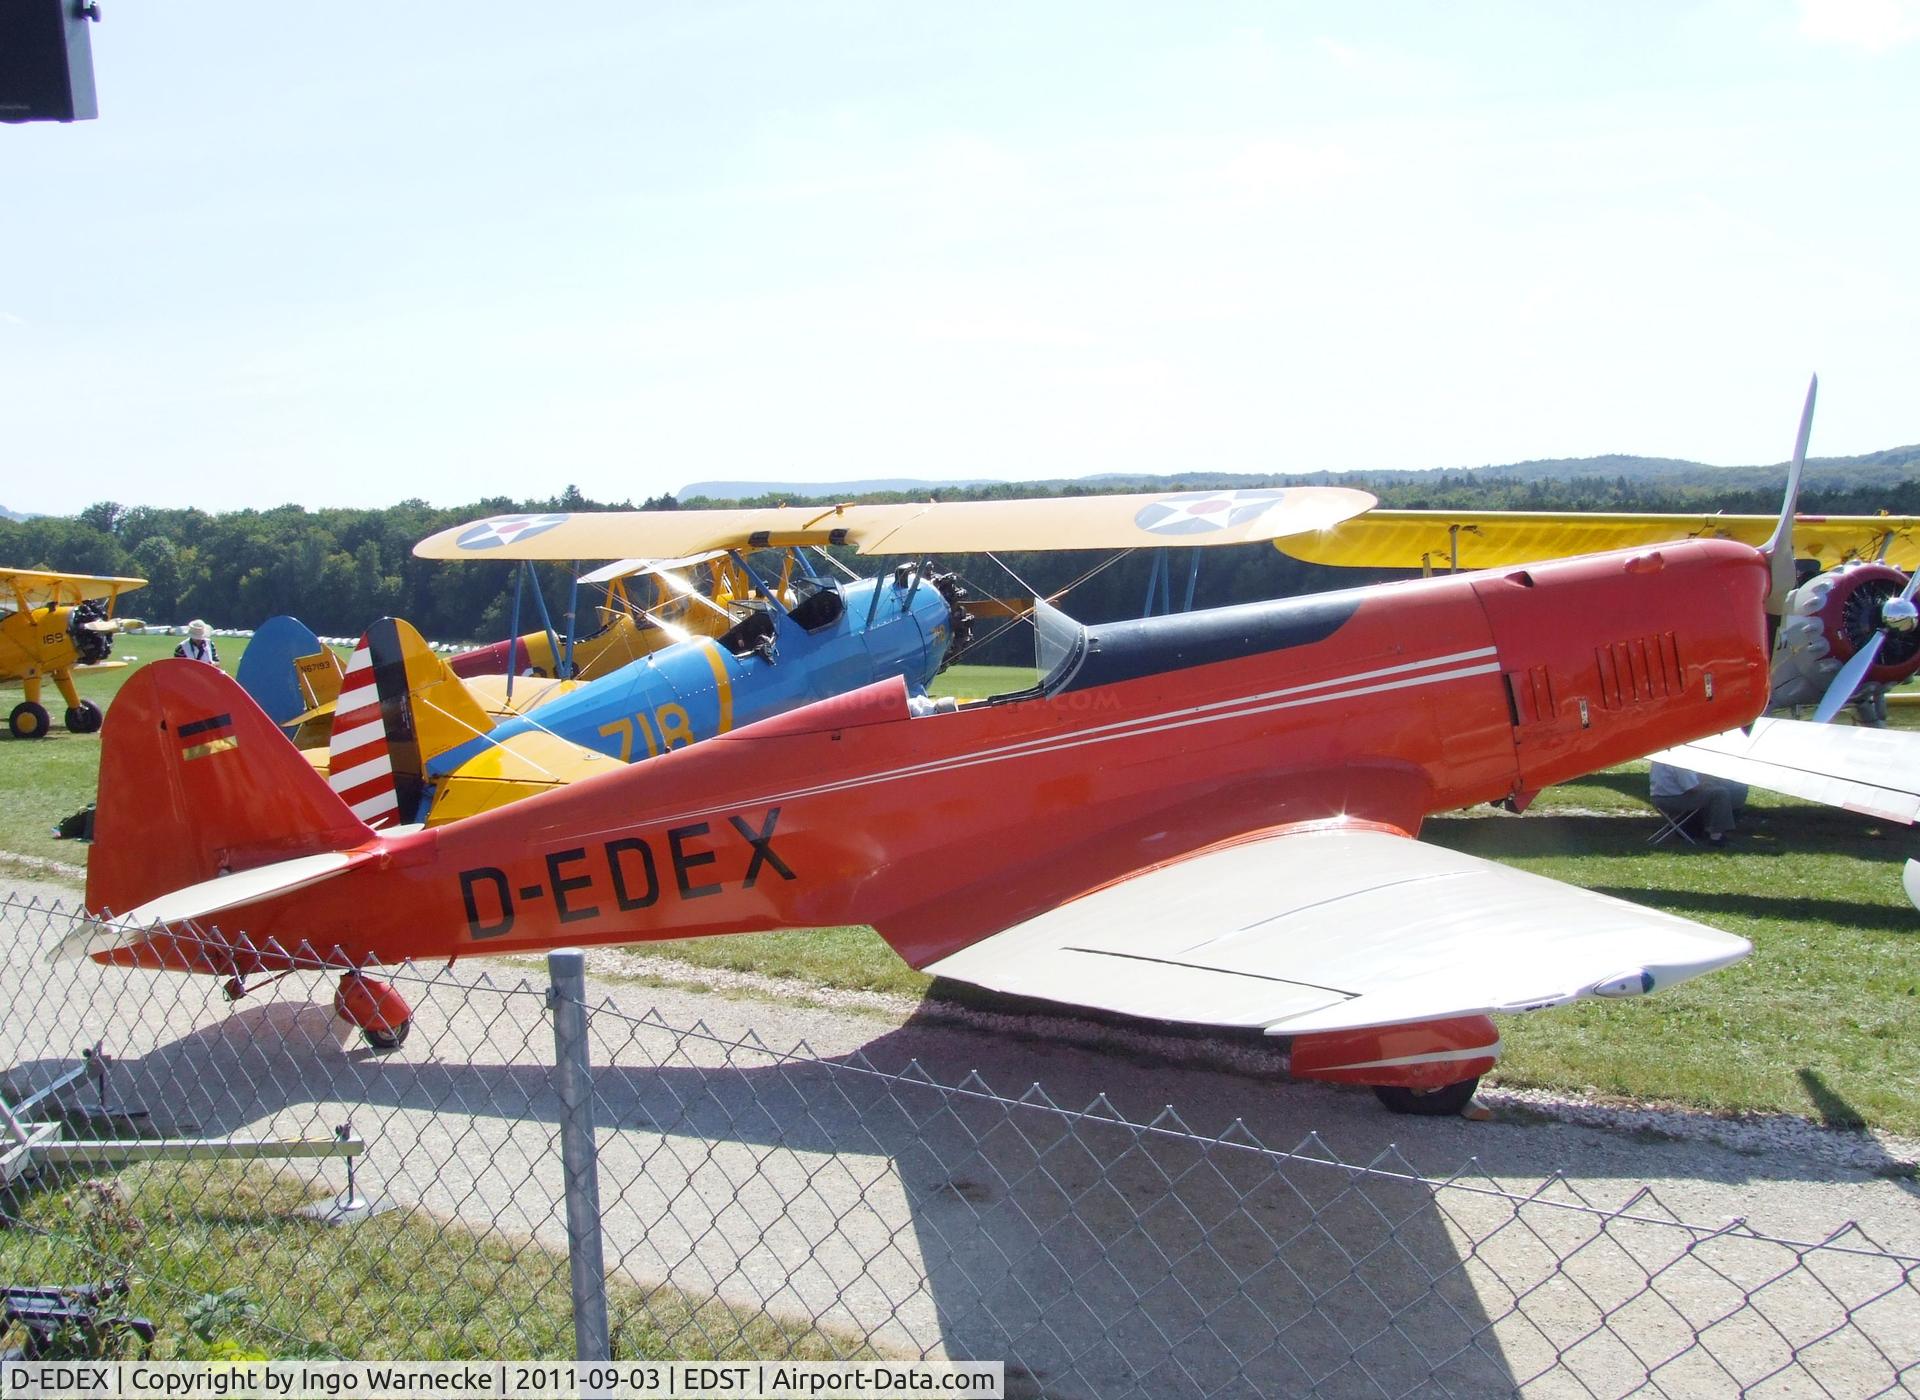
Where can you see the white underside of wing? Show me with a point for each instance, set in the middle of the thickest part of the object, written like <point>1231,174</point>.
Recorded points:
<point>1875,772</point>
<point>1336,929</point>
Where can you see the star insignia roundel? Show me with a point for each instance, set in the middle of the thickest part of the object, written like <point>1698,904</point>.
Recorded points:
<point>506,529</point>
<point>1201,512</point>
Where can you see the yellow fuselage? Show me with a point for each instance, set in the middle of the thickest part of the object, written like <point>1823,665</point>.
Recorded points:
<point>35,644</point>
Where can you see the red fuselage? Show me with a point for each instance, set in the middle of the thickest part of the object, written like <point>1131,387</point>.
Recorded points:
<point>1381,704</point>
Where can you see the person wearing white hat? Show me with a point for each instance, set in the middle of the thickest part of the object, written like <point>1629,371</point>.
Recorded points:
<point>199,644</point>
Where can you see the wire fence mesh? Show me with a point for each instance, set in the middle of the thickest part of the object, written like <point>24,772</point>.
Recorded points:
<point>764,1201</point>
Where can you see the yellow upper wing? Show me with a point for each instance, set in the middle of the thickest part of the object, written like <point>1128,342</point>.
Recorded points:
<point>1412,539</point>
<point>30,588</point>
<point>1064,522</point>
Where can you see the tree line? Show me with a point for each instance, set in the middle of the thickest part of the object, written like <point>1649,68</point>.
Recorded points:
<point>338,569</point>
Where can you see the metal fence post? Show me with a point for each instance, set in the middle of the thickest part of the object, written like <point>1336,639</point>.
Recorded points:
<point>573,1078</point>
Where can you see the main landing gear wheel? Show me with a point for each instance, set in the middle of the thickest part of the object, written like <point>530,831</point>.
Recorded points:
<point>381,1014</point>
<point>29,721</point>
<point>1430,1103</point>
<point>83,718</point>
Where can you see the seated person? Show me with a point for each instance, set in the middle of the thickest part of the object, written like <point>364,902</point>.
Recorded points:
<point>1693,799</point>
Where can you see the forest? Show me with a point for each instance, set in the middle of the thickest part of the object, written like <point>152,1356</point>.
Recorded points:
<point>338,569</point>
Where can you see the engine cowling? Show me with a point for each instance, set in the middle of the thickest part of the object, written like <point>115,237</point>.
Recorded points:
<point>1827,620</point>
<point>92,647</point>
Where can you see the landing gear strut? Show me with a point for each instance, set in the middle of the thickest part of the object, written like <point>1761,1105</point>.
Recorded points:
<point>381,1013</point>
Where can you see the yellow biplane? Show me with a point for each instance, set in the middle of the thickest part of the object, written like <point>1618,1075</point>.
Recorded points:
<point>650,604</point>
<point>1853,568</point>
<point>1493,539</point>
<point>54,625</point>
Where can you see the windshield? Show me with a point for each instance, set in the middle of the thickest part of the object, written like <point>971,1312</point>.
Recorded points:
<point>1059,645</point>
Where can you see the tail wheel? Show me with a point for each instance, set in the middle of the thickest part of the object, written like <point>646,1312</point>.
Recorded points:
<point>83,718</point>
<point>29,721</point>
<point>1432,1103</point>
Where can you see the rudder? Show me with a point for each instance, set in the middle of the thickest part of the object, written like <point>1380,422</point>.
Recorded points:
<point>400,706</point>
<point>196,782</point>
<point>286,670</point>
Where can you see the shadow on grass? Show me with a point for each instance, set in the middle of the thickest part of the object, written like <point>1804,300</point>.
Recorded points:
<point>1835,913</point>
<point>1761,831</point>
<point>1672,882</point>
<point>1833,1108</point>
<point>1837,1113</point>
<point>1632,785</point>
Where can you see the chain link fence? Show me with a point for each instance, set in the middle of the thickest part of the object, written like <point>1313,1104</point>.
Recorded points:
<point>757,1201</point>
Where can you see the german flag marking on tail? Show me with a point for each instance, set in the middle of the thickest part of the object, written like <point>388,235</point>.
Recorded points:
<point>359,765</point>
<point>206,736</point>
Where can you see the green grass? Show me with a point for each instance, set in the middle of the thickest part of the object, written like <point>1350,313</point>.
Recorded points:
<point>51,778</point>
<point>856,958</point>
<point>978,682</point>
<point>399,1285</point>
<point>1823,1020</point>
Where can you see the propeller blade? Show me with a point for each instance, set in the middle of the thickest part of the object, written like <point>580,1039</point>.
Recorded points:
<point>1910,878</point>
<point>1849,679</point>
<point>1779,548</point>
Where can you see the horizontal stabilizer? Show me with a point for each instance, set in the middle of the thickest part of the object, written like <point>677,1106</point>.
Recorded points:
<point>1875,772</point>
<point>1338,928</point>
<point>196,904</point>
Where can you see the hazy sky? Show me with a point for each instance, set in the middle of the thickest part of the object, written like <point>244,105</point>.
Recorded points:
<point>352,252</point>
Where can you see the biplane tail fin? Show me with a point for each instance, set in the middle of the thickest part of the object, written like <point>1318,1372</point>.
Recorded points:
<point>197,782</point>
<point>287,670</point>
<point>400,706</point>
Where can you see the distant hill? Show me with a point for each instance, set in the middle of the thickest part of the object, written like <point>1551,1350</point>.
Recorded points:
<point>6,514</point>
<point>1866,472</point>
<point>1888,465</point>
<point>748,490</point>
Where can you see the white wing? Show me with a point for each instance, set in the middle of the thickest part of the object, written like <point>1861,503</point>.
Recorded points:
<point>1872,771</point>
<point>1323,929</point>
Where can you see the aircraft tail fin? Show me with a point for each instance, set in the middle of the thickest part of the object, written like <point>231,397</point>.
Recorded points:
<point>319,675</point>
<point>196,782</point>
<point>400,706</point>
<point>287,671</point>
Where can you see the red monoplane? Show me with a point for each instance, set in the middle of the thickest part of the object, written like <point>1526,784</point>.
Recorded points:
<point>1204,818</point>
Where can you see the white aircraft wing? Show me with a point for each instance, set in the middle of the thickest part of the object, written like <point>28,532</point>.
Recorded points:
<point>1324,929</point>
<point>1875,772</point>
<point>1149,520</point>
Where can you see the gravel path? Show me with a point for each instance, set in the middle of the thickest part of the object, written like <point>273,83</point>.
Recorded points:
<point>827,1183</point>
<point>1872,1150</point>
